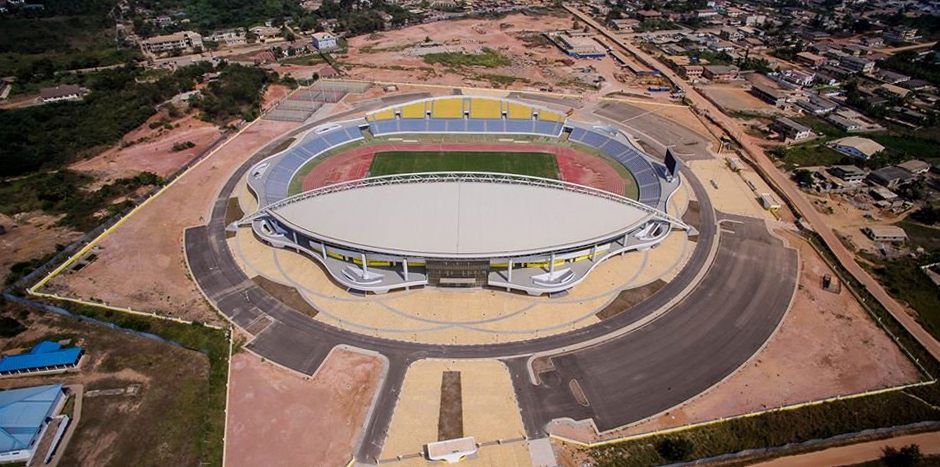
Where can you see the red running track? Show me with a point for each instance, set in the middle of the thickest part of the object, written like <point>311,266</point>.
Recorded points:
<point>573,166</point>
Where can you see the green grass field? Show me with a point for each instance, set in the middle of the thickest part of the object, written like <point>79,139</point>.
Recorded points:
<point>535,164</point>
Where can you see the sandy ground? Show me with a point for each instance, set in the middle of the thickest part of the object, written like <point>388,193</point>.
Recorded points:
<point>848,220</point>
<point>304,421</point>
<point>141,264</point>
<point>490,411</point>
<point>537,63</point>
<point>929,444</point>
<point>826,346</point>
<point>273,94</point>
<point>732,194</point>
<point>151,150</point>
<point>35,235</point>
<point>736,99</point>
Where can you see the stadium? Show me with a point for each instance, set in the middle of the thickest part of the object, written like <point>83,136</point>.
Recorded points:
<point>462,191</point>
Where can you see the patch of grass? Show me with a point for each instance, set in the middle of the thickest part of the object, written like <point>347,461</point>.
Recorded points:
<point>305,60</point>
<point>909,146</point>
<point>808,155</point>
<point>63,192</point>
<point>821,126</point>
<point>488,58</point>
<point>398,162</point>
<point>498,81</point>
<point>202,405</point>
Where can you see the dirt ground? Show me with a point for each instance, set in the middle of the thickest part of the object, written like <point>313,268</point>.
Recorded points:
<point>35,235</point>
<point>387,56</point>
<point>146,428</point>
<point>151,150</point>
<point>141,264</point>
<point>826,346</point>
<point>736,99</point>
<point>573,166</point>
<point>848,219</point>
<point>929,444</point>
<point>305,422</point>
<point>273,94</point>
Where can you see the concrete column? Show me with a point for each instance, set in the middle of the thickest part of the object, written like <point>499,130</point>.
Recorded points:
<point>365,264</point>
<point>404,263</point>
<point>551,267</point>
<point>294,233</point>
<point>593,251</point>
<point>509,276</point>
<point>323,250</point>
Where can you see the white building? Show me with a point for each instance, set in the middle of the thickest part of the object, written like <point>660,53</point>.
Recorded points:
<point>65,92</point>
<point>324,41</point>
<point>855,146</point>
<point>178,41</point>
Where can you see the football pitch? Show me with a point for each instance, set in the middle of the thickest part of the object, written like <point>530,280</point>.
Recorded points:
<point>534,164</point>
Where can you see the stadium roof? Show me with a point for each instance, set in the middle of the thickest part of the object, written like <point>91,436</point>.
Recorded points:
<point>461,218</point>
<point>22,413</point>
<point>43,355</point>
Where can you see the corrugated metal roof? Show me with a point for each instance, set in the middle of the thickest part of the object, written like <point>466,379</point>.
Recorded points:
<point>44,354</point>
<point>22,413</point>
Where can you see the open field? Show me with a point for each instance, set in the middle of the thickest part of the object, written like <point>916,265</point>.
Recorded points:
<point>153,235</point>
<point>148,149</point>
<point>535,164</point>
<point>737,99</point>
<point>278,418</point>
<point>35,235</point>
<point>165,422</point>
<point>508,52</point>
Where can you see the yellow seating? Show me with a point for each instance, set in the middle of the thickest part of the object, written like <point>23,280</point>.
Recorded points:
<point>447,108</point>
<point>519,111</point>
<point>386,114</point>
<point>413,110</point>
<point>550,116</point>
<point>485,108</point>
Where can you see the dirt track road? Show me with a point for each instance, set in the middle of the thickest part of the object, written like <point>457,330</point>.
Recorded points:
<point>779,180</point>
<point>929,444</point>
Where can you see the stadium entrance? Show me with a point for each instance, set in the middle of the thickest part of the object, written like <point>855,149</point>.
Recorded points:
<point>457,273</point>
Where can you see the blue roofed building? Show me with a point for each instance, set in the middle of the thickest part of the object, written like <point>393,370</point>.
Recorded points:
<point>24,415</point>
<point>45,357</point>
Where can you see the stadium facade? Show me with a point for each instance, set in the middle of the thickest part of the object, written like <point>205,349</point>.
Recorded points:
<point>460,229</point>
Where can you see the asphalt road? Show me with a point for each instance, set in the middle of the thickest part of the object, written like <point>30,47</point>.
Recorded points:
<point>724,321</point>
<point>683,352</point>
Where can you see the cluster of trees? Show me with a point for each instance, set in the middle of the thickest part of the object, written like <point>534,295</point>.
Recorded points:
<point>48,136</point>
<point>928,214</point>
<point>235,94</point>
<point>926,68</point>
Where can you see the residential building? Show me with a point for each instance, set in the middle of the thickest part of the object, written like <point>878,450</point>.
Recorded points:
<point>24,415</point>
<point>915,166</point>
<point>178,41</point>
<point>849,173</point>
<point>265,32</point>
<point>720,72</point>
<point>857,64</point>
<point>811,59</point>
<point>228,37</point>
<point>798,77</point>
<point>901,34</point>
<point>730,34</point>
<point>790,130</point>
<point>693,72</point>
<point>45,357</point>
<point>890,177</point>
<point>324,41</point>
<point>579,45</point>
<point>65,92</point>
<point>774,96</point>
<point>818,105</point>
<point>862,148</point>
<point>886,233</point>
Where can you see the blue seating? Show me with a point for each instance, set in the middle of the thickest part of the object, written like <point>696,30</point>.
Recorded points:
<point>476,125</point>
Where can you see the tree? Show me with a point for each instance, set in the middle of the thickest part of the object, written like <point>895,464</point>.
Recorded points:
<point>675,449</point>
<point>907,456</point>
